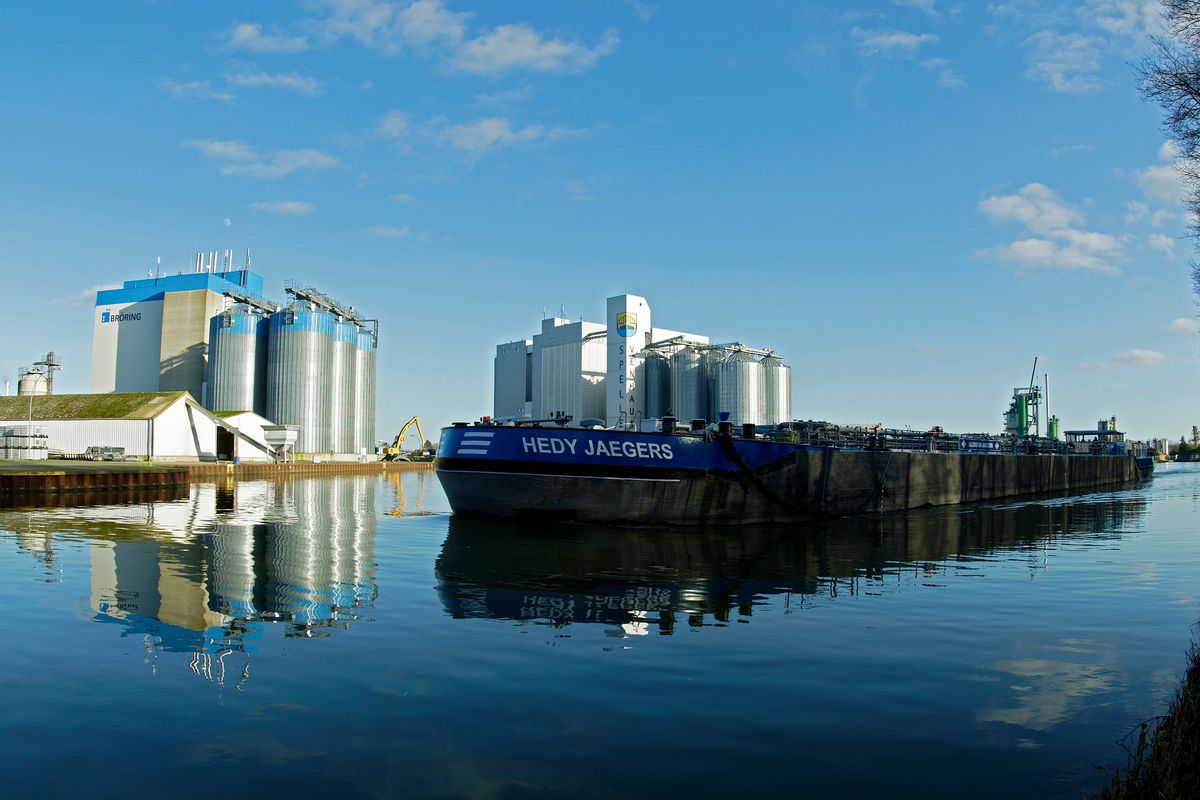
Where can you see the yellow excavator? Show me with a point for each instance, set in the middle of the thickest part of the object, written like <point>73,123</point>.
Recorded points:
<point>394,453</point>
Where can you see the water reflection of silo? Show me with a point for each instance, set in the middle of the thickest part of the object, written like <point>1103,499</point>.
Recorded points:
<point>362,503</point>
<point>231,580</point>
<point>308,562</point>
<point>342,563</point>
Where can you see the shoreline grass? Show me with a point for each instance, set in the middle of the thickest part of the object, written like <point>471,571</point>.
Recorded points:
<point>1164,761</point>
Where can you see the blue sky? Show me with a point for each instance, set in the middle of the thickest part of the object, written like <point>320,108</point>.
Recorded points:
<point>909,200</point>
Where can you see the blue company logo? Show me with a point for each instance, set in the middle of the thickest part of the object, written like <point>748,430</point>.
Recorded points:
<point>106,316</point>
<point>626,323</point>
<point>475,443</point>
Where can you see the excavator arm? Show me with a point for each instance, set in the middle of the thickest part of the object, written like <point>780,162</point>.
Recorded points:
<point>394,451</point>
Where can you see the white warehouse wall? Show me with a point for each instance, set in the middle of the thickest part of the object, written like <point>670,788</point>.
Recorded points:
<point>74,436</point>
<point>184,431</point>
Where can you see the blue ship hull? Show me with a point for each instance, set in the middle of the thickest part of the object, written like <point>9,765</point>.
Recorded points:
<point>710,478</point>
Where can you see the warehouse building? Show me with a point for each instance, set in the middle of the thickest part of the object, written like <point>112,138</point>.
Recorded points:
<point>627,374</point>
<point>163,426</point>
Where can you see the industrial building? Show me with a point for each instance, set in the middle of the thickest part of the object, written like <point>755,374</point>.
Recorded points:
<point>163,426</point>
<point>309,364</point>
<point>627,374</point>
<point>151,335</point>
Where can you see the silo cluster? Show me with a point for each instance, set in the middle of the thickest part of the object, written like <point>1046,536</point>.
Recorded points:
<point>704,382</point>
<point>303,365</point>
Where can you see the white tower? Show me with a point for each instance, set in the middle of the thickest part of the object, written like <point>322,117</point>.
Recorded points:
<point>628,321</point>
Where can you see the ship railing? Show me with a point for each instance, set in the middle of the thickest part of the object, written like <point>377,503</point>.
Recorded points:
<point>824,434</point>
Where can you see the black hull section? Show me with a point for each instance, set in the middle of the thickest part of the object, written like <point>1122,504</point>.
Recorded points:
<point>813,482</point>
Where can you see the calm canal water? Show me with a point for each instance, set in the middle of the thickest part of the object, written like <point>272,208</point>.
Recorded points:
<point>314,637</point>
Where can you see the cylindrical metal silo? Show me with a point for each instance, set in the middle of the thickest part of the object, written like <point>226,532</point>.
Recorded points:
<point>299,351</point>
<point>364,393</point>
<point>657,372</point>
<point>237,361</point>
<point>689,384</point>
<point>33,382</point>
<point>343,365</point>
<point>738,387</point>
<point>777,390</point>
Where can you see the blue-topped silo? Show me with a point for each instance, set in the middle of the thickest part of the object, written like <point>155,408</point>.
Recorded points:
<point>343,368</point>
<point>364,392</point>
<point>237,361</point>
<point>299,356</point>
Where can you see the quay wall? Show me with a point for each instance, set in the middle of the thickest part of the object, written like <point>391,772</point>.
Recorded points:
<point>71,481</point>
<point>207,470</point>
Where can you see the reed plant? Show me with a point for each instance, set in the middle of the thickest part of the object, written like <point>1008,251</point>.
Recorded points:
<point>1164,752</point>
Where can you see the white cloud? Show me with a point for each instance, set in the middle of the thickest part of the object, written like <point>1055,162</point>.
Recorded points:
<point>1071,150</point>
<point>388,231</point>
<point>427,21</point>
<point>1184,325</point>
<point>948,78</point>
<point>585,190</point>
<point>1161,243</point>
<point>889,42</point>
<point>370,22</point>
<point>1136,357</point>
<point>1136,210</point>
<point>928,6</point>
<point>295,207</point>
<point>1135,19</point>
<point>393,125</point>
<point>238,158</point>
<point>482,135</point>
<point>1059,241</point>
<point>250,36</point>
<point>514,47</point>
<point>1065,62</point>
<point>1162,182</point>
<point>291,81</point>
<point>643,11</point>
<point>403,198</point>
<point>428,26</point>
<point>1139,358</point>
<point>196,90</point>
<point>86,297</point>
<point>1035,205</point>
<point>927,348</point>
<point>223,149</point>
<point>474,138</point>
<point>506,98</point>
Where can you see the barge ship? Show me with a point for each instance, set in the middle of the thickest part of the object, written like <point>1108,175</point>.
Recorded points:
<point>716,474</point>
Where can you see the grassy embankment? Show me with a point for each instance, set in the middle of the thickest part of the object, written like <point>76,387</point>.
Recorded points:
<point>1165,763</point>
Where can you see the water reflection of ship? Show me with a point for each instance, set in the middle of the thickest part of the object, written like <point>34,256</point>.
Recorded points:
<point>203,574</point>
<point>639,580</point>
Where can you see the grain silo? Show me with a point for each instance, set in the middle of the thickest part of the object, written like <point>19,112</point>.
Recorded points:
<point>738,388</point>
<point>777,390</point>
<point>364,392</point>
<point>343,365</point>
<point>237,361</point>
<point>299,352</point>
<point>689,384</point>
<point>656,373</point>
